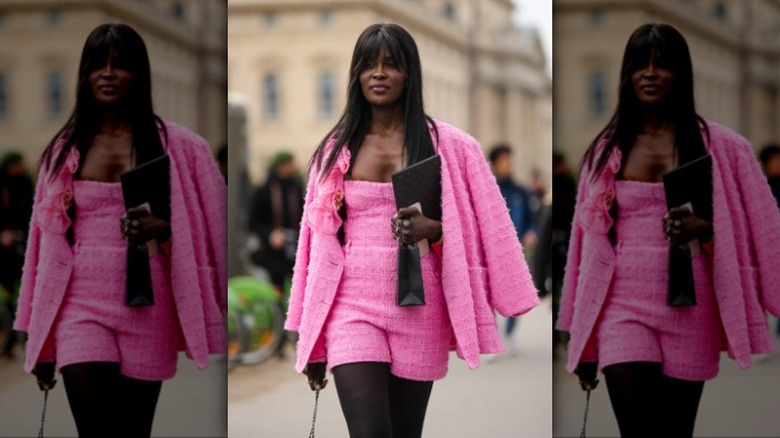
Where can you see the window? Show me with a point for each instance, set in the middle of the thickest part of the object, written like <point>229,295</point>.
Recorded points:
<point>720,10</point>
<point>54,94</point>
<point>325,91</point>
<point>271,97</point>
<point>325,16</point>
<point>3,97</point>
<point>596,17</point>
<point>177,10</point>
<point>596,92</point>
<point>270,19</point>
<point>54,17</point>
<point>449,11</point>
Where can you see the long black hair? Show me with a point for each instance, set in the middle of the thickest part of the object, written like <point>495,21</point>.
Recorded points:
<point>355,121</point>
<point>125,45</point>
<point>626,123</point>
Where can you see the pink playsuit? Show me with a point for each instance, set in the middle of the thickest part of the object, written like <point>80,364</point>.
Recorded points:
<point>365,324</point>
<point>636,324</point>
<point>94,324</point>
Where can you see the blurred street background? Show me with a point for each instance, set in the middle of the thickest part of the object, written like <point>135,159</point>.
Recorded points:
<point>40,47</point>
<point>735,49</point>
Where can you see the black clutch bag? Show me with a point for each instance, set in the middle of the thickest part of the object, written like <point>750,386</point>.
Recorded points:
<point>420,182</point>
<point>149,183</point>
<point>691,184</point>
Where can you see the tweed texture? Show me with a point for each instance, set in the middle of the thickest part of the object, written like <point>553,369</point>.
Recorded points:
<point>745,260</point>
<point>198,274</point>
<point>483,268</point>
<point>93,323</point>
<point>365,324</point>
<point>636,324</point>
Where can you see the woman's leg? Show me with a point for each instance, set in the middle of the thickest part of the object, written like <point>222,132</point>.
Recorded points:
<point>139,401</point>
<point>635,390</point>
<point>92,389</point>
<point>363,393</point>
<point>106,403</point>
<point>680,406</point>
<point>408,403</point>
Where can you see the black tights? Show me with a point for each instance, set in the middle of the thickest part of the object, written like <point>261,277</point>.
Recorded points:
<point>106,403</point>
<point>648,403</point>
<point>377,404</point>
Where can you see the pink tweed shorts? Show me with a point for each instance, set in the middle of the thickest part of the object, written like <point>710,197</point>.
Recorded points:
<point>636,324</point>
<point>94,324</point>
<point>365,324</point>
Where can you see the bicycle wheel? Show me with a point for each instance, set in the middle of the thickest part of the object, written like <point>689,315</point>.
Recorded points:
<point>265,326</point>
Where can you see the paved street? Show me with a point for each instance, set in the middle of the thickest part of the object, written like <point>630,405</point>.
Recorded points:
<point>508,397</point>
<point>191,405</point>
<point>738,403</point>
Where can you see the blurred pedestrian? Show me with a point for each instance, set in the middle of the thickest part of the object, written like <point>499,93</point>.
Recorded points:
<point>222,161</point>
<point>655,356</point>
<point>538,194</point>
<point>770,164</point>
<point>16,199</point>
<point>385,357</point>
<point>518,202</point>
<point>275,216</point>
<point>114,357</point>
<point>563,199</point>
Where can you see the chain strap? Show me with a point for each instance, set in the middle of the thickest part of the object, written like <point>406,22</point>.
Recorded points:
<point>43,414</point>
<point>314,417</point>
<point>585,417</point>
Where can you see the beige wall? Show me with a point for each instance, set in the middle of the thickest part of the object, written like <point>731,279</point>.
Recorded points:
<point>735,78</point>
<point>299,47</point>
<point>187,61</point>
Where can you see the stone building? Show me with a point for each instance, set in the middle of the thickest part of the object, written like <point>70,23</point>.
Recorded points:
<point>40,46</point>
<point>288,66</point>
<point>734,44</point>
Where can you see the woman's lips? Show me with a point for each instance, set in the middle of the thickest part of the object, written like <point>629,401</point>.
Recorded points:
<point>379,89</point>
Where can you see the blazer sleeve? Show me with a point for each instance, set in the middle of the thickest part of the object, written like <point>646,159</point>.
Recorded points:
<point>31,257</point>
<point>511,289</point>
<point>763,219</point>
<point>301,268</point>
<point>212,197</point>
<point>573,259</point>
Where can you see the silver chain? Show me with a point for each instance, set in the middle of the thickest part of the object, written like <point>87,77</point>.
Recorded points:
<point>585,417</point>
<point>314,417</point>
<point>43,414</point>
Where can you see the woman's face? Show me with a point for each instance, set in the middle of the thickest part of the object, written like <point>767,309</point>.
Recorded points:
<point>382,80</point>
<point>653,82</point>
<point>110,83</point>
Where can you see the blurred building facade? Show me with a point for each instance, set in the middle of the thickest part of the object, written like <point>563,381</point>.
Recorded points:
<point>288,65</point>
<point>40,46</point>
<point>734,44</point>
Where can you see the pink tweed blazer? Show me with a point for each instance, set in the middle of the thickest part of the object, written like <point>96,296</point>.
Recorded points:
<point>198,251</point>
<point>483,268</point>
<point>745,260</point>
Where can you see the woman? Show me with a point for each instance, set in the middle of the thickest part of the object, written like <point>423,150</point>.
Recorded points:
<point>655,357</point>
<point>113,358</point>
<point>384,358</point>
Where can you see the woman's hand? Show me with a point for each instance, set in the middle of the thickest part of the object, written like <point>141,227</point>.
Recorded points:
<point>681,225</point>
<point>587,374</point>
<point>44,372</point>
<point>139,226</point>
<point>315,372</point>
<point>410,226</point>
